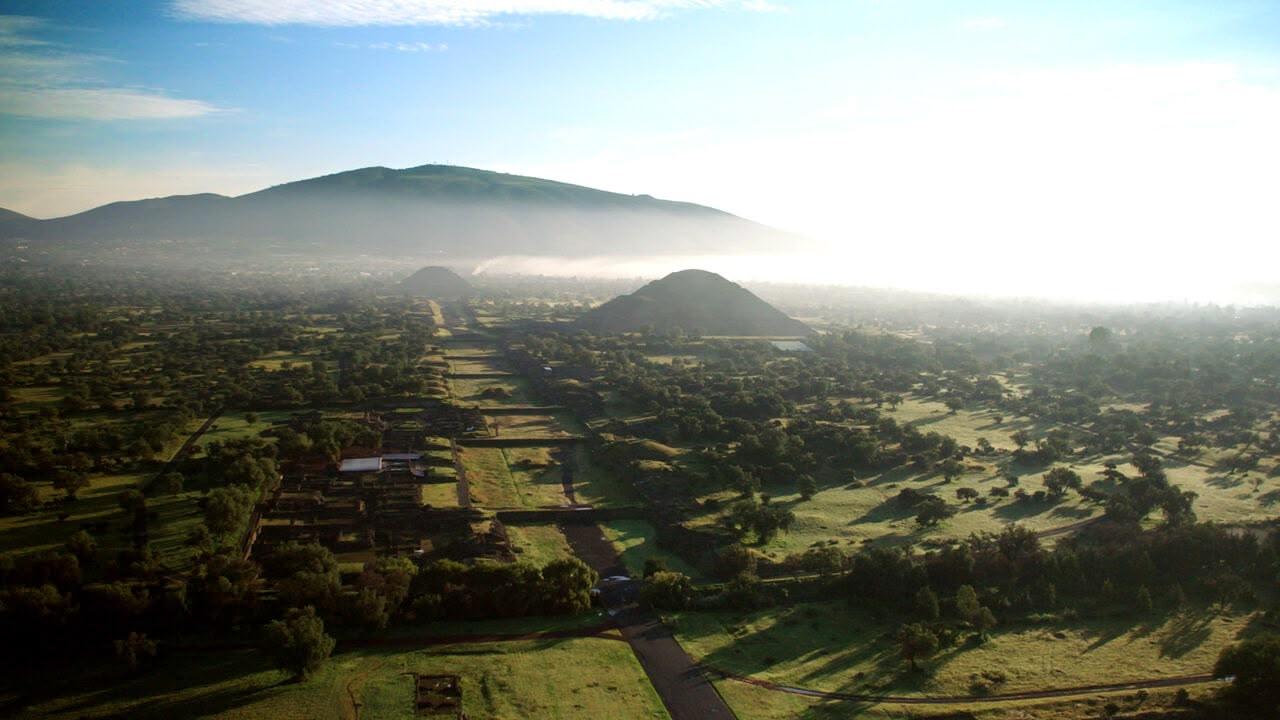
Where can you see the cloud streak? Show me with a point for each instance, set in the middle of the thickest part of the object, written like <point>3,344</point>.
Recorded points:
<point>15,29</point>
<point>404,47</point>
<point>348,13</point>
<point>98,104</point>
<point>39,79</point>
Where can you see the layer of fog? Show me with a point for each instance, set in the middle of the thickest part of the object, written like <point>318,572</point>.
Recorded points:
<point>1065,279</point>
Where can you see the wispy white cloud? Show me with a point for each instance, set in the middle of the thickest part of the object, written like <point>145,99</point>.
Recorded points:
<point>410,47</point>
<point>41,79</point>
<point>98,104</point>
<point>15,30</point>
<point>983,23</point>
<point>341,13</point>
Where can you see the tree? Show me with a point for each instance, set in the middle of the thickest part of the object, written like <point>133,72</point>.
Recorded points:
<point>966,494</point>
<point>983,621</point>
<point>927,604</point>
<point>568,583</point>
<point>916,641</point>
<point>226,510</point>
<point>1020,438</point>
<point>967,605</point>
<point>135,649</point>
<point>733,560</point>
<point>1057,480</point>
<point>83,546</point>
<point>667,591</point>
<point>222,588</point>
<point>171,483</point>
<point>807,486</point>
<point>17,496</point>
<point>1142,600</point>
<point>390,577</point>
<point>951,469</point>
<point>654,565</point>
<point>134,505</point>
<point>745,592</point>
<point>253,472</point>
<point>70,482</point>
<point>1254,669</point>
<point>933,510</point>
<point>297,643</point>
<point>365,608</point>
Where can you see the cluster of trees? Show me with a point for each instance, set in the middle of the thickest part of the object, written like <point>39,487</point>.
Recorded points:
<point>1107,567</point>
<point>447,589</point>
<point>63,599</point>
<point>758,517</point>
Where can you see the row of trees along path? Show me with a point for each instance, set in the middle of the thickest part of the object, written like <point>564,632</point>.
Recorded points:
<point>684,688</point>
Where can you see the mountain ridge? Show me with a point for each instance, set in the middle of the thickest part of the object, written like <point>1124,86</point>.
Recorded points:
<point>419,211</point>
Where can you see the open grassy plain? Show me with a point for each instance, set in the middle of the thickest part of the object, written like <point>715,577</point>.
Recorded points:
<point>831,647</point>
<point>576,678</point>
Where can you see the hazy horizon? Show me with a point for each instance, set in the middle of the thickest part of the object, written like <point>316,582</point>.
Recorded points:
<point>1102,151</point>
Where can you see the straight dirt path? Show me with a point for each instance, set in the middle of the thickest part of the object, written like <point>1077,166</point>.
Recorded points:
<point>681,684</point>
<point>684,689</point>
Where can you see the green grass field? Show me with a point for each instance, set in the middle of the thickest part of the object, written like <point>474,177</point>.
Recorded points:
<point>281,360</point>
<point>852,513</point>
<point>439,495</point>
<point>571,679</point>
<point>539,544</point>
<point>538,479</point>
<point>480,362</point>
<point>234,426</point>
<point>829,646</point>
<point>534,426</point>
<point>468,390</point>
<point>594,485</point>
<point>489,479</point>
<point>754,703</point>
<point>635,544</point>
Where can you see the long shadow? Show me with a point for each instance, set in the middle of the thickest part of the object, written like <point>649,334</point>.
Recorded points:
<point>1269,498</point>
<point>1224,482</point>
<point>1074,512</point>
<point>1022,510</point>
<point>112,687</point>
<point>890,509</point>
<point>896,475</point>
<point>1188,631</point>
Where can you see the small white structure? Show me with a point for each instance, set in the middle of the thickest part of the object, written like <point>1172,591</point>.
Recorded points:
<point>790,346</point>
<point>361,465</point>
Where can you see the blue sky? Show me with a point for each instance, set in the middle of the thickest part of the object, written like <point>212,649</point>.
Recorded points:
<point>961,128</point>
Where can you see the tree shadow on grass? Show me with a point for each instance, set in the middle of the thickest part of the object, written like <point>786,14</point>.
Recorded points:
<point>1016,510</point>
<point>896,475</point>
<point>1224,482</point>
<point>151,688</point>
<point>1269,498</point>
<point>1186,632</point>
<point>889,510</point>
<point>1074,512</point>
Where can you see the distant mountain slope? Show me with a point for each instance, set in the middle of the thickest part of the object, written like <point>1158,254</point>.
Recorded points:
<point>428,210</point>
<point>11,216</point>
<point>436,283</point>
<point>696,301</point>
